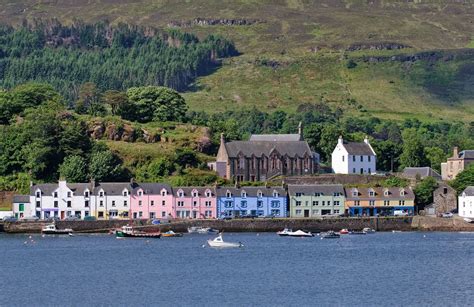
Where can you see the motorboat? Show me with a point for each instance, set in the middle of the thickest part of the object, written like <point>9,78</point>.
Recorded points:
<point>219,242</point>
<point>51,229</point>
<point>130,232</point>
<point>344,231</point>
<point>171,233</point>
<point>357,232</point>
<point>368,230</point>
<point>284,232</point>
<point>300,233</point>
<point>468,220</point>
<point>202,230</point>
<point>330,235</point>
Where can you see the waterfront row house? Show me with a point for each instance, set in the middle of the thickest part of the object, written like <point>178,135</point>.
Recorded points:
<point>379,201</point>
<point>316,200</point>
<point>353,158</point>
<point>466,203</point>
<point>251,201</point>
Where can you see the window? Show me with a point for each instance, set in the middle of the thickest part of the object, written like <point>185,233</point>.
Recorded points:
<point>298,194</point>
<point>208,213</point>
<point>386,203</point>
<point>68,194</point>
<point>329,202</point>
<point>353,158</point>
<point>125,193</point>
<point>298,212</point>
<point>113,203</point>
<point>317,194</point>
<point>180,203</point>
<point>243,204</point>
<point>140,193</point>
<point>228,194</point>
<point>386,193</point>
<point>369,171</point>
<point>356,203</point>
<point>195,194</point>
<point>195,203</point>
<point>152,203</point>
<point>86,194</point>
<point>228,204</point>
<point>180,193</point>
<point>56,204</point>
<point>354,170</point>
<point>244,194</point>
<point>369,158</point>
<point>100,214</point>
<point>336,211</point>
<point>86,203</point>
<point>125,214</point>
<point>152,215</point>
<point>342,158</point>
<point>371,193</point>
<point>38,194</point>
<point>315,203</point>
<point>139,202</point>
<point>275,194</point>
<point>55,194</point>
<point>337,194</point>
<point>402,193</point>
<point>208,203</point>
<point>323,203</point>
<point>355,193</point>
<point>101,203</point>
<point>86,213</point>
<point>371,202</point>
<point>337,203</point>
<point>163,213</point>
<point>361,170</point>
<point>69,204</point>
<point>361,158</point>
<point>298,203</point>
<point>125,204</point>
<point>275,212</point>
<point>259,194</point>
<point>140,214</point>
<point>163,203</point>
<point>275,204</point>
<point>208,193</point>
<point>401,202</point>
<point>101,194</point>
<point>315,212</point>
<point>163,193</point>
<point>259,204</point>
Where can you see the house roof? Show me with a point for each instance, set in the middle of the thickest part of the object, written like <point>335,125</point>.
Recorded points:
<point>469,191</point>
<point>311,189</point>
<point>21,198</point>
<point>412,172</point>
<point>467,154</point>
<point>251,191</point>
<point>49,188</point>
<point>188,191</point>
<point>275,137</point>
<point>358,149</point>
<point>259,148</point>
<point>113,188</point>
<point>394,193</point>
<point>152,188</point>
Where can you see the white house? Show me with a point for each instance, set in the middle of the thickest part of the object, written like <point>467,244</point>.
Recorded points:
<point>466,203</point>
<point>22,207</point>
<point>61,200</point>
<point>353,158</point>
<point>112,200</point>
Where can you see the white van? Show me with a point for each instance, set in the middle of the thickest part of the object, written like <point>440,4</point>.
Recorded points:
<point>400,213</point>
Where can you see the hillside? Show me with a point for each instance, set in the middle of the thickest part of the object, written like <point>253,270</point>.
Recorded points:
<point>297,51</point>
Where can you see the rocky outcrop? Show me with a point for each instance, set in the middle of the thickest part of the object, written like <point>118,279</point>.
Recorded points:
<point>121,132</point>
<point>214,22</point>
<point>377,46</point>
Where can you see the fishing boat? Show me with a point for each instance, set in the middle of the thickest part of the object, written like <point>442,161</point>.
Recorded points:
<point>300,234</point>
<point>344,231</point>
<point>202,230</point>
<point>284,232</point>
<point>171,233</point>
<point>330,235</point>
<point>368,230</point>
<point>130,232</point>
<point>52,230</point>
<point>219,242</point>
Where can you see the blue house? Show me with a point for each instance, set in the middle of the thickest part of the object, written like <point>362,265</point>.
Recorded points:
<point>253,201</point>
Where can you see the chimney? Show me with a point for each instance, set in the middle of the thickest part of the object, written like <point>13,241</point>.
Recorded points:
<point>456,152</point>
<point>300,130</point>
<point>92,182</point>
<point>31,183</point>
<point>222,138</point>
<point>340,141</point>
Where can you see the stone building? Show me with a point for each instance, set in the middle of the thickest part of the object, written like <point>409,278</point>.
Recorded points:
<point>265,156</point>
<point>456,164</point>
<point>444,200</point>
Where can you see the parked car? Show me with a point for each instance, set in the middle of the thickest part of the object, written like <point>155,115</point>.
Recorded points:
<point>53,219</point>
<point>447,215</point>
<point>90,218</point>
<point>30,218</point>
<point>72,218</point>
<point>10,219</point>
<point>400,213</point>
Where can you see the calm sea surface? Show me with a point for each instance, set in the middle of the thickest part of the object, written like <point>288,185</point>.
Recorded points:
<point>382,269</point>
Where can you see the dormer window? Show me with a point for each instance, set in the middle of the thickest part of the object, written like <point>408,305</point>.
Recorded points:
<point>140,193</point>
<point>163,192</point>
<point>86,194</point>
<point>101,194</point>
<point>355,193</point>
<point>275,194</point>
<point>371,193</point>
<point>180,193</point>
<point>386,193</point>
<point>208,193</point>
<point>402,192</point>
<point>195,194</point>
<point>55,195</point>
<point>68,194</point>
<point>317,194</point>
<point>38,194</point>
<point>125,193</point>
<point>244,194</point>
<point>228,194</point>
<point>259,194</point>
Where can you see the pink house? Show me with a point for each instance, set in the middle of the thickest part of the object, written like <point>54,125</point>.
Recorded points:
<point>151,200</point>
<point>195,202</point>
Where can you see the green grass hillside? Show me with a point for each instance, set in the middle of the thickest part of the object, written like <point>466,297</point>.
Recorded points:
<point>297,51</point>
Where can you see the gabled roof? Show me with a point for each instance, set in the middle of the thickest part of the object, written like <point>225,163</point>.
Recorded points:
<point>152,188</point>
<point>251,191</point>
<point>188,191</point>
<point>412,172</point>
<point>311,189</point>
<point>259,148</point>
<point>113,188</point>
<point>393,193</point>
<point>49,188</point>
<point>358,149</point>
<point>469,191</point>
<point>466,154</point>
<point>275,137</point>
<point>21,199</point>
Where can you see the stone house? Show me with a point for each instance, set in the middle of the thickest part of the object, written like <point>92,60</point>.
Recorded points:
<point>444,200</point>
<point>456,164</point>
<point>353,158</point>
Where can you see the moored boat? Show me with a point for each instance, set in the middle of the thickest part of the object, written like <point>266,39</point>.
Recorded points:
<point>368,230</point>
<point>202,230</point>
<point>330,235</point>
<point>52,230</point>
<point>467,220</point>
<point>300,234</point>
<point>284,232</point>
<point>171,233</point>
<point>130,232</point>
<point>219,242</point>
<point>357,232</point>
<point>344,231</point>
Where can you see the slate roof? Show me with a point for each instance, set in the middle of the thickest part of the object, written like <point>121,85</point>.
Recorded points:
<point>394,193</point>
<point>469,191</point>
<point>113,188</point>
<point>188,191</point>
<point>21,199</point>
<point>358,149</point>
<point>259,148</point>
<point>49,188</point>
<point>152,188</point>
<point>466,154</point>
<point>311,189</point>
<point>275,137</point>
<point>412,172</point>
<point>251,191</point>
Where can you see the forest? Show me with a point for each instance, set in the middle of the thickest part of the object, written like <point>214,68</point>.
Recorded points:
<point>112,57</point>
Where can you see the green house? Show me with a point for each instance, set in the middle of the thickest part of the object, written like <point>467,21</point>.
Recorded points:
<point>307,201</point>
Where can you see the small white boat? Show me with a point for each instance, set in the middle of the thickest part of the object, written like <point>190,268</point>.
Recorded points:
<point>396,231</point>
<point>468,220</point>
<point>284,232</point>
<point>368,230</point>
<point>52,230</point>
<point>202,230</point>
<point>300,233</point>
<point>330,235</point>
<point>219,242</point>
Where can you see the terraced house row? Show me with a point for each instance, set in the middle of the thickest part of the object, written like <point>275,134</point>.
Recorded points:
<point>131,200</point>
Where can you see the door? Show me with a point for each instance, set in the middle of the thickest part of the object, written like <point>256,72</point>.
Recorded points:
<point>195,214</point>
<point>62,215</point>
<point>306,213</point>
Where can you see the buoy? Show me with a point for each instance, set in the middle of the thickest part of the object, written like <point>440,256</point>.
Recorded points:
<point>29,237</point>
<point>204,245</point>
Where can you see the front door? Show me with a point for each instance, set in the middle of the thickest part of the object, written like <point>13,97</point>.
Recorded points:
<point>195,214</point>
<point>62,215</point>
<point>306,213</point>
